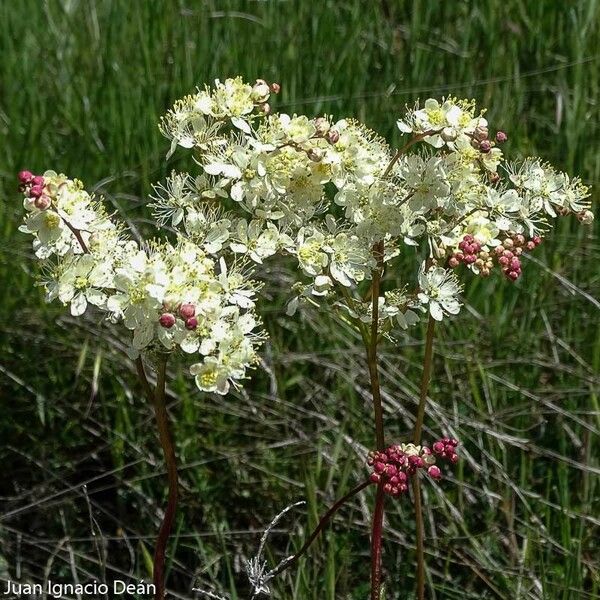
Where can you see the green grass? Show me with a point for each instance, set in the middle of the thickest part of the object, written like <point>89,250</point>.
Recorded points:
<point>82,85</point>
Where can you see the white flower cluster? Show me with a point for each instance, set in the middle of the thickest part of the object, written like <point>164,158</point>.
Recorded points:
<point>169,296</point>
<point>329,193</point>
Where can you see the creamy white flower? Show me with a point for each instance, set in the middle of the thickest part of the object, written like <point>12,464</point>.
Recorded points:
<point>439,289</point>
<point>255,239</point>
<point>83,281</point>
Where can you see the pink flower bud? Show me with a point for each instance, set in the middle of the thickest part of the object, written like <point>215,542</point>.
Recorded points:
<point>453,262</point>
<point>379,467</point>
<point>513,275</point>
<point>275,88</point>
<point>191,323</point>
<point>387,488</point>
<point>485,146</point>
<point>481,133</point>
<point>499,249</point>
<point>375,477</point>
<point>434,472</point>
<point>454,458</point>
<point>187,310</point>
<point>38,180</point>
<point>438,447</point>
<point>537,240</point>
<point>36,191</point>
<point>167,320</point>
<point>530,245</point>
<point>43,202</point>
<point>332,136</point>
<point>501,137</point>
<point>25,176</point>
<point>322,125</point>
<point>515,264</point>
<point>470,259</point>
<point>391,470</point>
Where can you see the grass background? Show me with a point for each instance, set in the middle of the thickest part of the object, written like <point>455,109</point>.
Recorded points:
<point>82,85</point>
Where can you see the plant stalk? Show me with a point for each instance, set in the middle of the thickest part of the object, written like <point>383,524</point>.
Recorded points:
<point>378,250</point>
<point>288,562</point>
<point>166,442</point>
<point>377,531</point>
<point>376,539</point>
<point>416,483</point>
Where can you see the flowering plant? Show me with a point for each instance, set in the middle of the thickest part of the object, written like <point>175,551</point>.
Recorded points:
<point>334,196</point>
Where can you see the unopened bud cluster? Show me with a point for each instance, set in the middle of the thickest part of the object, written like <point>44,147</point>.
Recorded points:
<point>33,187</point>
<point>394,465</point>
<point>506,255</point>
<point>187,312</point>
<point>480,139</point>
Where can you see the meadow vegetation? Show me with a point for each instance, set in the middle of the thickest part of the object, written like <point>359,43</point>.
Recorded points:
<point>516,375</point>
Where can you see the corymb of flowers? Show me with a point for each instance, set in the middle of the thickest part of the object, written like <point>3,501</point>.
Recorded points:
<point>327,192</point>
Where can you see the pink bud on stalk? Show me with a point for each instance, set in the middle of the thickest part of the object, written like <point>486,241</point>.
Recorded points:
<point>485,146</point>
<point>25,177</point>
<point>438,447</point>
<point>501,137</point>
<point>275,88</point>
<point>191,323</point>
<point>333,136</point>
<point>43,202</point>
<point>167,320</point>
<point>36,191</point>
<point>187,310</point>
<point>434,472</point>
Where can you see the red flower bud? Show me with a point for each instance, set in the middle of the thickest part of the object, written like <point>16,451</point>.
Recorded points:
<point>187,310</point>
<point>191,323</point>
<point>25,176</point>
<point>36,191</point>
<point>434,472</point>
<point>167,320</point>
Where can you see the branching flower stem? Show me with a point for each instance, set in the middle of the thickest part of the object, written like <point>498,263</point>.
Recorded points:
<point>158,398</point>
<point>401,151</point>
<point>377,531</point>
<point>291,560</point>
<point>416,484</point>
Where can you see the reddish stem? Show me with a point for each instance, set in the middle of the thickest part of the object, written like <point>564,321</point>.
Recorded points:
<point>378,252</point>
<point>416,484</point>
<point>288,562</point>
<point>162,421</point>
<point>376,539</point>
